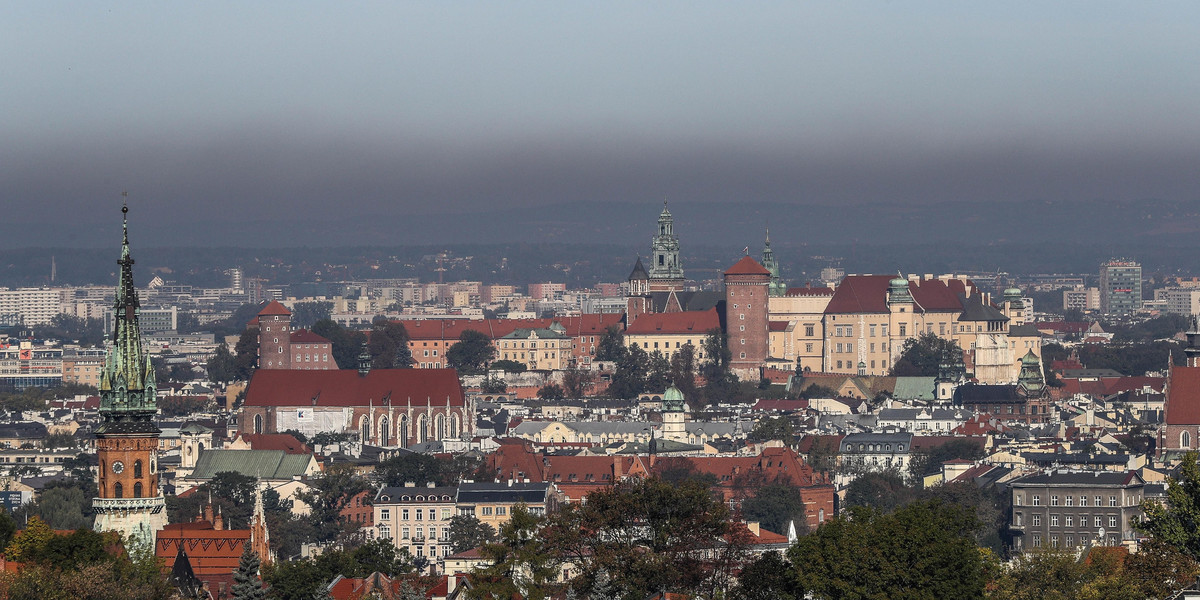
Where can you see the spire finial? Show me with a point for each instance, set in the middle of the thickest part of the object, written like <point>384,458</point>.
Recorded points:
<point>768,236</point>
<point>125,216</point>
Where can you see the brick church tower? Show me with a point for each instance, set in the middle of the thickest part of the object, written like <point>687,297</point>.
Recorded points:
<point>274,337</point>
<point>747,286</point>
<point>129,500</point>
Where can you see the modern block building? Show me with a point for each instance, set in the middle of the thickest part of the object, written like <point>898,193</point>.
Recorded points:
<point>1120,287</point>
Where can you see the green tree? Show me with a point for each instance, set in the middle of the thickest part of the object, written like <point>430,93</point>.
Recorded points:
<point>472,352</point>
<point>629,378</point>
<point>1177,522</point>
<point>246,582</point>
<point>388,345</point>
<point>346,344</point>
<point>222,367</point>
<point>304,314</point>
<point>774,505</point>
<point>612,345</point>
<point>925,550</point>
<point>246,354</point>
<point>884,490</point>
<point>327,495</point>
<point>925,462</point>
<point>645,535</point>
<point>8,528</point>
<point>576,381</point>
<point>923,356</point>
<point>774,428</point>
<point>683,375</point>
<point>767,578</point>
<point>62,507</point>
<point>551,391</point>
<point>493,385</point>
<point>658,372</point>
<point>509,366</point>
<point>521,561</point>
<point>382,556</point>
<point>413,468</point>
<point>467,532</point>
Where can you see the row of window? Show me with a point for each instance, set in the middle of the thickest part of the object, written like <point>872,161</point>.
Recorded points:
<point>385,514</point>
<point>1036,500</point>
<point>1097,521</point>
<point>850,364</point>
<point>1070,540</point>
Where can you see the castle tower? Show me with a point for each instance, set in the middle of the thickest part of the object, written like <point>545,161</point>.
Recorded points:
<point>673,416</point>
<point>777,287</point>
<point>129,499</point>
<point>637,302</point>
<point>1031,380</point>
<point>900,322</point>
<point>1014,307</point>
<point>666,271</point>
<point>274,336</point>
<point>746,291</point>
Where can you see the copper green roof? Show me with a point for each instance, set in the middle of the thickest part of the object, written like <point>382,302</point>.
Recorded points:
<point>263,464</point>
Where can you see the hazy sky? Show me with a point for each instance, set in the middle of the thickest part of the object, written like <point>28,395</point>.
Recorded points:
<point>240,110</point>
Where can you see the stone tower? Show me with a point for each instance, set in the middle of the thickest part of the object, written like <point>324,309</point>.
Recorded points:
<point>129,499</point>
<point>274,336</point>
<point>666,272</point>
<point>673,416</point>
<point>747,285</point>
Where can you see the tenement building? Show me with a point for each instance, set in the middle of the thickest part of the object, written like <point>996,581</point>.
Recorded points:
<point>1060,509</point>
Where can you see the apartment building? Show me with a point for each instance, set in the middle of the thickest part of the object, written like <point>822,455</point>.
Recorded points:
<point>1062,509</point>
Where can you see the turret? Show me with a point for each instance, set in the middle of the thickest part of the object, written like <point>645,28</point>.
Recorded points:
<point>1031,378</point>
<point>776,288</point>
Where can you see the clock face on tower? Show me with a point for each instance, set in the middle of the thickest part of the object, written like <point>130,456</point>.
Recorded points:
<point>118,467</point>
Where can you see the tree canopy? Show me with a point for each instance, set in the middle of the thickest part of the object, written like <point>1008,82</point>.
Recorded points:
<point>472,352</point>
<point>923,356</point>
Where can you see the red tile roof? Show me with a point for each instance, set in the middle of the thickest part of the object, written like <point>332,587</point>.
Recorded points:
<point>274,308</point>
<point>345,387</point>
<point>779,325</point>
<point>1183,396</point>
<point>868,294</point>
<point>747,266</point>
<point>276,441</point>
<point>304,336</point>
<point>211,551</point>
<point>694,321</point>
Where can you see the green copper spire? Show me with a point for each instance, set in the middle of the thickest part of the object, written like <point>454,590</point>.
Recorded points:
<point>776,287</point>
<point>127,389</point>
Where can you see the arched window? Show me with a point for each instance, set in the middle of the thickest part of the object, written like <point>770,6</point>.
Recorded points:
<point>454,433</point>
<point>1185,440</point>
<point>137,471</point>
<point>137,490</point>
<point>422,429</point>
<point>403,431</point>
<point>385,431</point>
<point>118,490</point>
<point>441,427</point>
<point>364,433</point>
<point>258,424</point>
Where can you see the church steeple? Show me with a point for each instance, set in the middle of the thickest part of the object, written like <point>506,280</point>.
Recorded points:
<point>127,387</point>
<point>129,500</point>
<point>665,268</point>
<point>776,287</point>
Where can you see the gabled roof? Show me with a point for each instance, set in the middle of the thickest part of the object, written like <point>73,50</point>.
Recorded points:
<point>345,387</point>
<point>274,308</point>
<point>263,464</point>
<point>974,309</point>
<point>304,336</point>
<point>809,291</point>
<point>687,322</point>
<point>868,294</point>
<point>747,266</point>
<point>1183,396</point>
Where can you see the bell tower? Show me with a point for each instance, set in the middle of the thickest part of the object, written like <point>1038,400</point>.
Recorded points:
<point>666,272</point>
<point>129,501</point>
